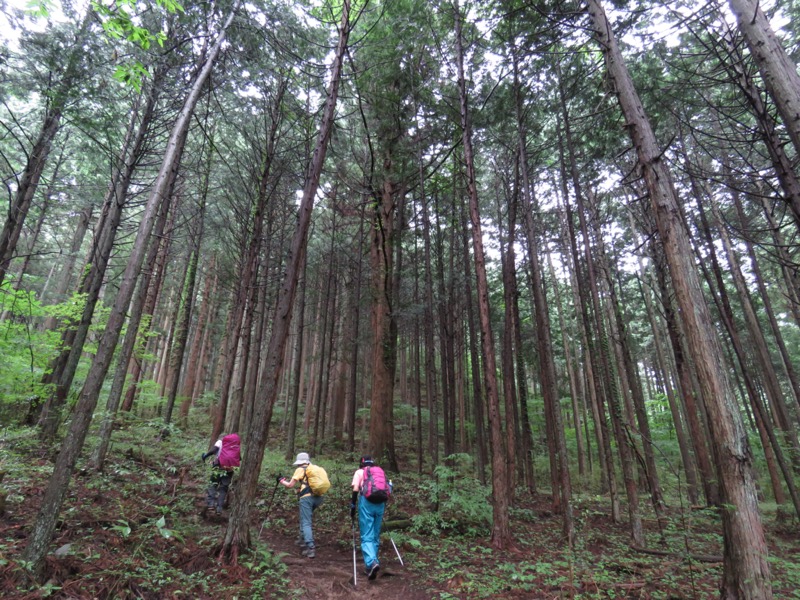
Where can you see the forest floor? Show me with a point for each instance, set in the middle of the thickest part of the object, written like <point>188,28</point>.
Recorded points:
<point>137,531</point>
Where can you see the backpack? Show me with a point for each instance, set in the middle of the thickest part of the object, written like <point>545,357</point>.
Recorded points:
<point>317,480</point>
<point>229,454</point>
<point>375,487</point>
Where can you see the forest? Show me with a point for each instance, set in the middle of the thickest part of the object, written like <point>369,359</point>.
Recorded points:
<point>540,260</point>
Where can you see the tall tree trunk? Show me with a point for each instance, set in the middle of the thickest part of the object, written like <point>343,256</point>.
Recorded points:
<point>237,534</point>
<point>501,534</point>
<point>204,320</point>
<point>381,414</point>
<point>431,384</point>
<point>294,395</point>
<point>63,367</point>
<point>686,456</point>
<point>778,70</point>
<point>65,277</point>
<point>27,184</point>
<point>578,402</point>
<point>355,311</point>
<point>544,344</point>
<point>692,403</point>
<point>474,356</point>
<point>184,317</point>
<point>50,507</point>
<point>746,572</point>
<point>592,354</point>
<point>507,258</point>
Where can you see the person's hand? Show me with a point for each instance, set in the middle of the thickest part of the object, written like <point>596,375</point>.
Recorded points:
<point>203,456</point>
<point>279,478</point>
<point>352,510</point>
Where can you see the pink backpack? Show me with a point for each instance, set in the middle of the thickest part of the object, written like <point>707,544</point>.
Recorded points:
<point>229,454</point>
<point>375,487</point>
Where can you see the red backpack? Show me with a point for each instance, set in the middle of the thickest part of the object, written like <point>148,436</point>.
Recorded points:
<point>375,487</point>
<point>229,454</point>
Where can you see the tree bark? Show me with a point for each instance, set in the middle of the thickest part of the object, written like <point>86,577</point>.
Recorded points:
<point>778,71</point>
<point>44,526</point>
<point>237,534</point>
<point>58,97</point>
<point>501,534</point>
<point>746,572</point>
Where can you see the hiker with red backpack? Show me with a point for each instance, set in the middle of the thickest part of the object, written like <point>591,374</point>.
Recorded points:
<point>371,491</point>
<point>228,456</point>
<point>314,483</point>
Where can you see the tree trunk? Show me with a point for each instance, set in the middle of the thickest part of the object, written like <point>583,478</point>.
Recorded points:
<point>294,395</point>
<point>204,320</point>
<point>683,445</point>
<point>474,356</point>
<point>184,317</point>
<point>28,182</point>
<point>501,535</point>
<point>544,344</point>
<point>44,526</point>
<point>592,355</point>
<point>778,70</point>
<point>237,534</point>
<point>693,404</point>
<point>63,367</point>
<point>746,572</point>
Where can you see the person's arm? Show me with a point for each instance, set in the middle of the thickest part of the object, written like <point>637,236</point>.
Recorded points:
<point>286,482</point>
<point>356,487</point>
<point>213,452</point>
<point>297,476</point>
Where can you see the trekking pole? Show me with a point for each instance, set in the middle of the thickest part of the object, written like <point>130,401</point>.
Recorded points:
<point>396,550</point>
<point>353,522</point>
<point>269,508</point>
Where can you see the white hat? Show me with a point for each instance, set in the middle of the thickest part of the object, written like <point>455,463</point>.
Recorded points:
<point>302,459</point>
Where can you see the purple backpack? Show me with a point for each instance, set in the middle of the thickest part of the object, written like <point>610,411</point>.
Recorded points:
<point>375,487</point>
<point>229,454</point>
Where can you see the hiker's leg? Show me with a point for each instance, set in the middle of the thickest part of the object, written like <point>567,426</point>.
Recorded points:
<point>377,519</point>
<point>306,511</point>
<point>211,497</point>
<point>224,484</point>
<point>369,523</point>
<point>364,526</point>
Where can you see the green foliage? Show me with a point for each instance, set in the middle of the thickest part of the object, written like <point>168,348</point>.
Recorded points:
<point>120,22</point>
<point>462,502</point>
<point>269,567</point>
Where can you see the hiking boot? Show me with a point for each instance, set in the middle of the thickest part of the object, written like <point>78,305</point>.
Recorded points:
<point>309,552</point>
<point>373,571</point>
<point>300,542</point>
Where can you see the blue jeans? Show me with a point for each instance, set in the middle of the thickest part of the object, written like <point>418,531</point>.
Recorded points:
<point>308,504</point>
<point>369,524</point>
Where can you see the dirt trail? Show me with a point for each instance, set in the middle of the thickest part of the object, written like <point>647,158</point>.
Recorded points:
<point>330,574</point>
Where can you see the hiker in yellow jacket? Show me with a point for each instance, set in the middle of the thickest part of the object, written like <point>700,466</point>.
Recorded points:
<point>307,500</point>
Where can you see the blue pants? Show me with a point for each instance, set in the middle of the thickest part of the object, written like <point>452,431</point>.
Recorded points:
<point>308,504</point>
<point>369,524</point>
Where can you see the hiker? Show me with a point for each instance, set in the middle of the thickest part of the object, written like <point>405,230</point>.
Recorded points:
<point>371,491</point>
<point>313,484</point>
<point>228,457</point>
